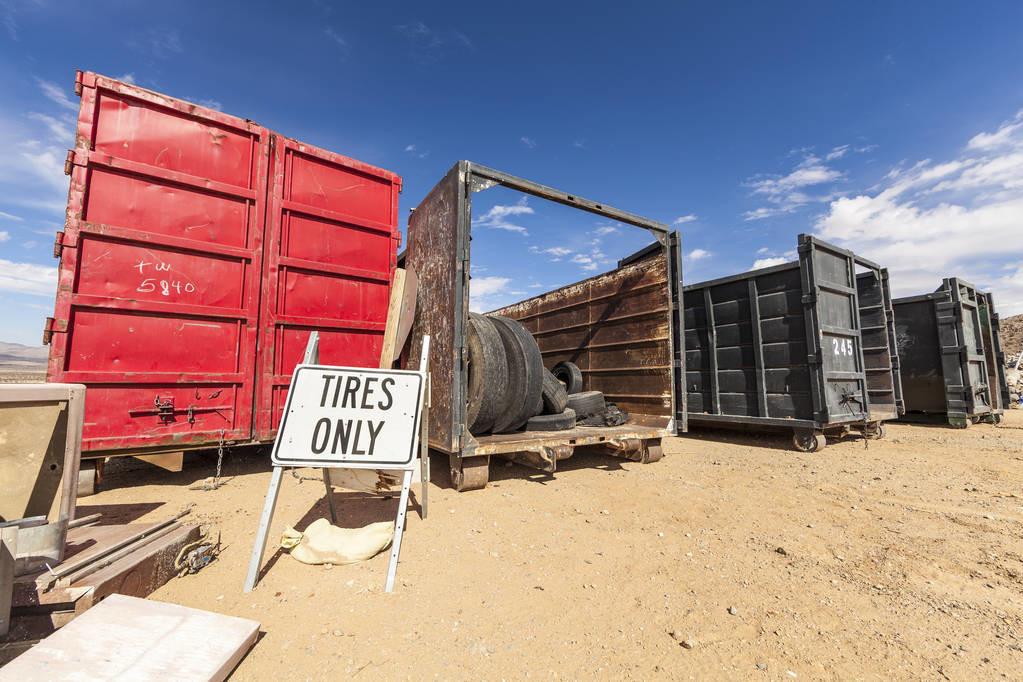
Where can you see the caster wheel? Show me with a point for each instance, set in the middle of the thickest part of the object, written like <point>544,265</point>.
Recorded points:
<point>874,431</point>
<point>472,474</point>
<point>808,441</point>
<point>653,452</point>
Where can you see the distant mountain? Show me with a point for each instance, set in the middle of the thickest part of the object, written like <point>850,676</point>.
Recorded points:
<point>18,356</point>
<point>1012,336</point>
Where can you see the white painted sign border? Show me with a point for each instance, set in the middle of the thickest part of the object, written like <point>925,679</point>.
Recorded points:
<point>409,463</point>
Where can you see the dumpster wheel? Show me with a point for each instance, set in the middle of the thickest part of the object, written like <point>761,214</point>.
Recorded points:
<point>808,441</point>
<point>470,473</point>
<point>653,452</point>
<point>874,431</point>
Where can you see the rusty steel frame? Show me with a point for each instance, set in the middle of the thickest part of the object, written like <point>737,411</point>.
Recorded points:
<point>453,195</point>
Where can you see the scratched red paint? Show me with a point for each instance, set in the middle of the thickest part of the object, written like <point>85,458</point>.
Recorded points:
<point>199,251</point>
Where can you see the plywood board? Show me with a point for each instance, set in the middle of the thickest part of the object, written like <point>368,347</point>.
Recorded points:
<point>138,639</point>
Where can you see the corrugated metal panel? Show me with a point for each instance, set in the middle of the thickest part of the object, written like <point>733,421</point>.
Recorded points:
<point>616,328</point>
<point>331,250</point>
<point>880,355</point>
<point>780,346</point>
<point>163,272</point>
<point>944,340</point>
<point>157,301</point>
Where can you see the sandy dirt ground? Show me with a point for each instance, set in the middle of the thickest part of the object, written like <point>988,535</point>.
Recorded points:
<point>903,560</point>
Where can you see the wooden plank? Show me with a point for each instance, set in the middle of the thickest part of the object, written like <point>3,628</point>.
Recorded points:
<point>407,313</point>
<point>168,461</point>
<point>393,311</point>
<point>130,638</point>
<point>581,435</point>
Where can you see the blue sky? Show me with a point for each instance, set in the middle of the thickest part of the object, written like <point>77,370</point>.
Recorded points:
<point>892,128</point>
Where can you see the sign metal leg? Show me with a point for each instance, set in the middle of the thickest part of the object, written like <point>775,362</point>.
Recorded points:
<point>330,496</point>
<point>399,528</point>
<point>424,453</point>
<point>264,528</point>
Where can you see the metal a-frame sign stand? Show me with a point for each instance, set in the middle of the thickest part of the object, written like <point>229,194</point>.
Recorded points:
<point>420,439</point>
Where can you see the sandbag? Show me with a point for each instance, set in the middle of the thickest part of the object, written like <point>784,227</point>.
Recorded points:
<point>322,543</point>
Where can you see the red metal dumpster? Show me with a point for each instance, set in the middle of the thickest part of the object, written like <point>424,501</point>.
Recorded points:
<point>199,251</point>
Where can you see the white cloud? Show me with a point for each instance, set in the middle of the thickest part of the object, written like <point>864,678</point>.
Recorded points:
<point>962,217</point>
<point>787,193</point>
<point>208,103</point>
<point>4,236</point>
<point>837,152</point>
<point>48,166</point>
<point>60,130</point>
<point>683,219</point>
<point>699,254</point>
<point>497,217</point>
<point>579,144</point>
<point>488,293</point>
<point>57,95</point>
<point>1007,135</point>
<point>127,78</point>
<point>414,151</point>
<point>11,216</point>
<point>528,141</point>
<point>336,37</point>
<point>28,278</point>
<point>605,230</point>
<point>768,262</point>
<point>557,251</point>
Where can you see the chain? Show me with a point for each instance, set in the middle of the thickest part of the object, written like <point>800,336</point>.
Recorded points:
<point>220,460</point>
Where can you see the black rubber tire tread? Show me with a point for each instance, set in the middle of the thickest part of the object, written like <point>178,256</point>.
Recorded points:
<point>488,367</point>
<point>525,375</point>
<point>570,375</point>
<point>555,397</point>
<point>587,403</point>
<point>552,422</point>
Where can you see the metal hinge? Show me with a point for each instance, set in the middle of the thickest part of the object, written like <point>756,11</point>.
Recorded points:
<point>47,331</point>
<point>69,162</point>
<point>58,244</point>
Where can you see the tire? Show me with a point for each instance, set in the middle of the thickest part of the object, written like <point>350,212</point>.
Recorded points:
<point>569,374</point>
<point>552,422</point>
<point>587,403</point>
<point>524,388</point>
<point>488,367</point>
<point>555,397</point>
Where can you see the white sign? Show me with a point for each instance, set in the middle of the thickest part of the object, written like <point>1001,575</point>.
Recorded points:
<point>350,417</point>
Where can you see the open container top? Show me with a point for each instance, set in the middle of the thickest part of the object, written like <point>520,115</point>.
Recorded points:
<point>593,321</point>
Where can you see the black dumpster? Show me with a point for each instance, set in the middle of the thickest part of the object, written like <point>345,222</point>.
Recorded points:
<point>951,360</point>
<point>790,347</point>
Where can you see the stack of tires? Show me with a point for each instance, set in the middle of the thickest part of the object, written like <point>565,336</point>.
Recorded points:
<point>509,388</point>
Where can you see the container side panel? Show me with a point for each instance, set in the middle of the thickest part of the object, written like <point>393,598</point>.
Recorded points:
<point>830,283</point>
<point>993,356</point>
<point>783,335</point>
<point>963,360</point>
<point>761,358</point>
<point>323,183</point>
<point>331,253</point>
<point>616,328</point>
<point>136,130</point>
<point>157,300</point>
<point>920,362</point>
<point>877,351</point>
<point>433,252</point>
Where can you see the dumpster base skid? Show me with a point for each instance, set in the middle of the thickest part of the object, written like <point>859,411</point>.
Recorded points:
<point>635,442</point>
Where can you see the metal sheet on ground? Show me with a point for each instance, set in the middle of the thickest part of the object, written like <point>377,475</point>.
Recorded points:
<point>138,639</point>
